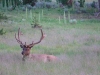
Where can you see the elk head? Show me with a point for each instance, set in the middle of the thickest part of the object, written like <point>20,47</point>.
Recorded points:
<point>26,48</point>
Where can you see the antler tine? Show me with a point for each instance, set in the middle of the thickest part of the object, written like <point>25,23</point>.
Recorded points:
<point>18,39</point>
<point>42,36</point>
<point>18,33</point>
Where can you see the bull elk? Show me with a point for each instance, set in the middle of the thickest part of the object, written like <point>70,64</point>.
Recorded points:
<point>26,50</point>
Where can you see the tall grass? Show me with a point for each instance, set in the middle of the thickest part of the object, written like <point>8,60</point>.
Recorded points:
<point>76,45</point>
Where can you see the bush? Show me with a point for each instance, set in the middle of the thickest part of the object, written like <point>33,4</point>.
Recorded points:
<point>29,1</point>
<point>2,31</point>
<point>81,3</point>
<point>35,23</point>
<point>2,16</point>
<point>66,2</point>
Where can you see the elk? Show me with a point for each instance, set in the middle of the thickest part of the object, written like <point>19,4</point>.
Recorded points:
<point>26,50</point>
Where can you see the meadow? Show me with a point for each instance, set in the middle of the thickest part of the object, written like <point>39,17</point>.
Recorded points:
<point>77,45</point>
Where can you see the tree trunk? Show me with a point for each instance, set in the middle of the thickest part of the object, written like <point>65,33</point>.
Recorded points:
<point>99,4</point>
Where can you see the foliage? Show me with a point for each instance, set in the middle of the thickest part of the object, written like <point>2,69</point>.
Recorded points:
<point>29,1</point>
<point>81,3</point>
<point>2,16</point>
<point>35,21</point>
<point>66,2</point>
<point>2,31</point>
<point>48,0</point>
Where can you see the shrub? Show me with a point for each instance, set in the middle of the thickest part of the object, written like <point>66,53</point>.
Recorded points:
<point>2,16</point>
<point>35,23</point>
<point>2,31</point>
<point>66,2</point>
<point>81,3</point>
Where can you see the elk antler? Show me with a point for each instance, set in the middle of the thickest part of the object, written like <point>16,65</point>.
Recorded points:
<point>18,39</point>
<point>42,36</point>
<point>30,45</point>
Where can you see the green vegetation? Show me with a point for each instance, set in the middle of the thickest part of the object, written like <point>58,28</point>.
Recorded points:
<point>2,31</point>
<point>2,16</point>
<point>81,3</point>
<point>35,21</point>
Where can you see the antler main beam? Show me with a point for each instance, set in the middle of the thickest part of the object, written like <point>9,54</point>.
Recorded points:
<point>18,38</point>
<point>42,36</point>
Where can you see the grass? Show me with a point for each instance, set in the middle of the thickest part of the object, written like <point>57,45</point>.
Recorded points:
<point>77,45</point>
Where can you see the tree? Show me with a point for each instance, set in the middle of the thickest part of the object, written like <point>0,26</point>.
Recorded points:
<point>7,3</point>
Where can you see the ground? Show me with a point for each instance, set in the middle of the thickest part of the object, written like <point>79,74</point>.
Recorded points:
<point>77,45</point>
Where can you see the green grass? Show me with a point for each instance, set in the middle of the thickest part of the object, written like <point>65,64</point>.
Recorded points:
<point>76,45</point>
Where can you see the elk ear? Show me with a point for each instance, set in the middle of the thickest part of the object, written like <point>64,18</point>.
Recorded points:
<point>21,46</point>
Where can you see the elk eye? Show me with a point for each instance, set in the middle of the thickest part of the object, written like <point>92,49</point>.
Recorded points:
<point>30,47</point>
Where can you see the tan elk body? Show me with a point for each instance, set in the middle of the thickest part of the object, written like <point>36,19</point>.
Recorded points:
<point>43,57</point>
<point>35,57</point>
